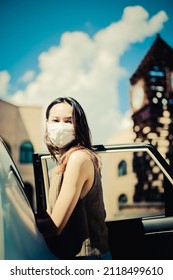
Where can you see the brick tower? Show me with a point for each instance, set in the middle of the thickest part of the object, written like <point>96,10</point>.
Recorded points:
<point>151,96</point>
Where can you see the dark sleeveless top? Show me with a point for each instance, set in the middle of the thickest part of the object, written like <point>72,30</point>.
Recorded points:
<point>87,222</point>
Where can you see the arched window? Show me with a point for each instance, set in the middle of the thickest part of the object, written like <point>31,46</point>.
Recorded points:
<point>26,151</point>
<point>122,168</point>
<point>122,198</point>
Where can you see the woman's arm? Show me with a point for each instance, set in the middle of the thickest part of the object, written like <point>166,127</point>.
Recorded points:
<point>79,172</point>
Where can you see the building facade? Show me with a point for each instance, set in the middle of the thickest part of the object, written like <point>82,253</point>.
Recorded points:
<point>151,97</point>
<point>21,129</point>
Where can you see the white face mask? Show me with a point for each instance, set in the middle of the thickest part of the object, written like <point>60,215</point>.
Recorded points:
<point>61,134</point>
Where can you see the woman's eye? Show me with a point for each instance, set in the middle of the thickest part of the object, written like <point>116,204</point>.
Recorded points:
<point>68,121</point>
<point>64,121</point>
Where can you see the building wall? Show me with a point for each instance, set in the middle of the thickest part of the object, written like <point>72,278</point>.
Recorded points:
<point>20,124</point>
<point>114,186</point>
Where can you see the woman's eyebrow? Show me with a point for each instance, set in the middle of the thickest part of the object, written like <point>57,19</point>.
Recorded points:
<point>65,118</point>
<point>55,117</point>
<point>68,118</point>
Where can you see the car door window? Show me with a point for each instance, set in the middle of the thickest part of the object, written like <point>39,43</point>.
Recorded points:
<point>134,181</point>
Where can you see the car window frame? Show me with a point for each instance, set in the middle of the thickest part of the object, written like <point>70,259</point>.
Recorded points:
<point>40,167</point>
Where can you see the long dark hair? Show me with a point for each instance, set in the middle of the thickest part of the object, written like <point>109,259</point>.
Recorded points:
<point>79,120</point>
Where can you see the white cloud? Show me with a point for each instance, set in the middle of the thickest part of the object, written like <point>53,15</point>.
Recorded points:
<point>4,83</point>
<point>88,69</point>
<point>127,121</point>
<point>27,77</point>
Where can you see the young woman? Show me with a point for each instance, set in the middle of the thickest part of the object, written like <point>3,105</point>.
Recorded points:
<point>75,224</point>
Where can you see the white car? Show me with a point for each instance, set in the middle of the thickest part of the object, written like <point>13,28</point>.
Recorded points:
<point>19,237</point>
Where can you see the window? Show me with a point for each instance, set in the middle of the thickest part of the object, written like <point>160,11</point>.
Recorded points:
<point>171,80</point>
<point>26,151</point>
<point>122,198</point>
<point>139,193</point>
<point>122,168</point>
<point>156,73</point>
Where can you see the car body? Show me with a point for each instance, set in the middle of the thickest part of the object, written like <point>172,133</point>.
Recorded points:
<point>19,236</point>
<point>140,223</point>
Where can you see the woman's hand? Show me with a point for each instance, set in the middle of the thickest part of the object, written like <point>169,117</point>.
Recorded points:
<point>46,226</point>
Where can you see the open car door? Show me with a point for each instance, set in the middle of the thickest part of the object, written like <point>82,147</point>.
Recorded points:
<point>138,196</point>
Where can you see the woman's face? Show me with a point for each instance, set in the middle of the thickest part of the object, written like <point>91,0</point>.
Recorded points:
<point>60,128</point>
<point>61,112</point>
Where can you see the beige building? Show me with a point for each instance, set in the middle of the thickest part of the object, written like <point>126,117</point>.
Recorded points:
<point>21,129</point>
<point>117,175</point>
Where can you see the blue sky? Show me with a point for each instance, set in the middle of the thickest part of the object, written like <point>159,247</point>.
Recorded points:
<point>30,29</point>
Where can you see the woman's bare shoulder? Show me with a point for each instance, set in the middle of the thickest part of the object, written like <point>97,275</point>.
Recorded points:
<point>79,156</point>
